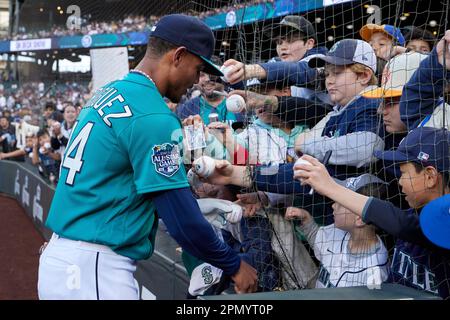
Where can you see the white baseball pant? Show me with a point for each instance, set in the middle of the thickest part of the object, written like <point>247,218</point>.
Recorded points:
<point>78,270</point>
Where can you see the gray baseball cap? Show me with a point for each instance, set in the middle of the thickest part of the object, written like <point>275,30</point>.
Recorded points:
<point>292,23</point>
<point>346,52</point>
<point>356,183</point>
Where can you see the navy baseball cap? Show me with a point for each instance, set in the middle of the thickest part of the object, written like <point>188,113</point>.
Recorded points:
<point>425,145</point>
<point>189,32</point>
<point>346,52</point>
<point>435,221</point>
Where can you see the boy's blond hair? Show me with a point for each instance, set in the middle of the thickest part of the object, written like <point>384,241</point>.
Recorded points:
<point>359,68</point>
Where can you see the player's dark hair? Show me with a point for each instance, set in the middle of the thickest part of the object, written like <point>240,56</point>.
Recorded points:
<point>157,47</point>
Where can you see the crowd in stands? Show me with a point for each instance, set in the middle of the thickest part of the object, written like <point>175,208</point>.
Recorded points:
<point>370,116</point>
<point>130,23</point>
<point>36,121</point>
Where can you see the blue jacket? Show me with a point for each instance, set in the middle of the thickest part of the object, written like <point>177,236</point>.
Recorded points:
<point>423,92</point>
<point>352,134</point>
<point>416,262</point>
<point>293,73</point>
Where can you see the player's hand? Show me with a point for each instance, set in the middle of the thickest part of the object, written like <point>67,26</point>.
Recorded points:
<point>2,156</point>
<point>255,100</point>
<point>443,48</point>
<point>246,279</point>
<point>297,213</point>
<point>315,175</point>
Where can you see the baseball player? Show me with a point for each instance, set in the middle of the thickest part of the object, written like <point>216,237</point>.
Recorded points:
<point>122,171</point>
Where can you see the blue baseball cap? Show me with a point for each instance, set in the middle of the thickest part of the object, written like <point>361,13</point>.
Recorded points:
<point>346,52</point>
<point>392,32</point>
<point>425,145</point>
<point>189,32</point>
<point>435,221</point>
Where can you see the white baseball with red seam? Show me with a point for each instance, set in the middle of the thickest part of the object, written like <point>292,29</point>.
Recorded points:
<point>300,161</point>
<point>226,71</point>
<point>204,166</point>
<point>235,103</point>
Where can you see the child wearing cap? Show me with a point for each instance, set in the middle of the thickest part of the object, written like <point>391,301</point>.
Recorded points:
<point>422,102</point>
<point>350,130</point>
<point>424,159</point>
<point>383,39</point>
<point>296,43</point>
<point>349,251</point>
<point>396,74</point>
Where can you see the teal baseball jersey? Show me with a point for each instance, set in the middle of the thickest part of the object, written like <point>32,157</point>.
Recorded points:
<point>126,143</point>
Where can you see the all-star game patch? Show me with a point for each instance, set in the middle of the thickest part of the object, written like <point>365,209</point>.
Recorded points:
<point>166,158</point>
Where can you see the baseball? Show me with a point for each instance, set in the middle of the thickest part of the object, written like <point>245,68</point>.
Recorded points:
<point>193,179</point>
<point>204,166</point>
<point>301,161</point>
<point>235,103</point>
<point>225,70</point>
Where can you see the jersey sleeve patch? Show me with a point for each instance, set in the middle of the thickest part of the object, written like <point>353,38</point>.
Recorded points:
<point>166,158</point>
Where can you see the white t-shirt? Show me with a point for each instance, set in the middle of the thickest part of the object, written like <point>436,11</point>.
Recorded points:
<point>341,268</point>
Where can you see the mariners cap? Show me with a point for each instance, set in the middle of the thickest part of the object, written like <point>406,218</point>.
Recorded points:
<point>346,52</point>
<point>425,145</point>
<point>292,23</point>
<point>356,183</point>
<point>392,32</point>
<point>435,221</point>
<point>396,74</point>
<point>203,277</point>
<point>189,32</point>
